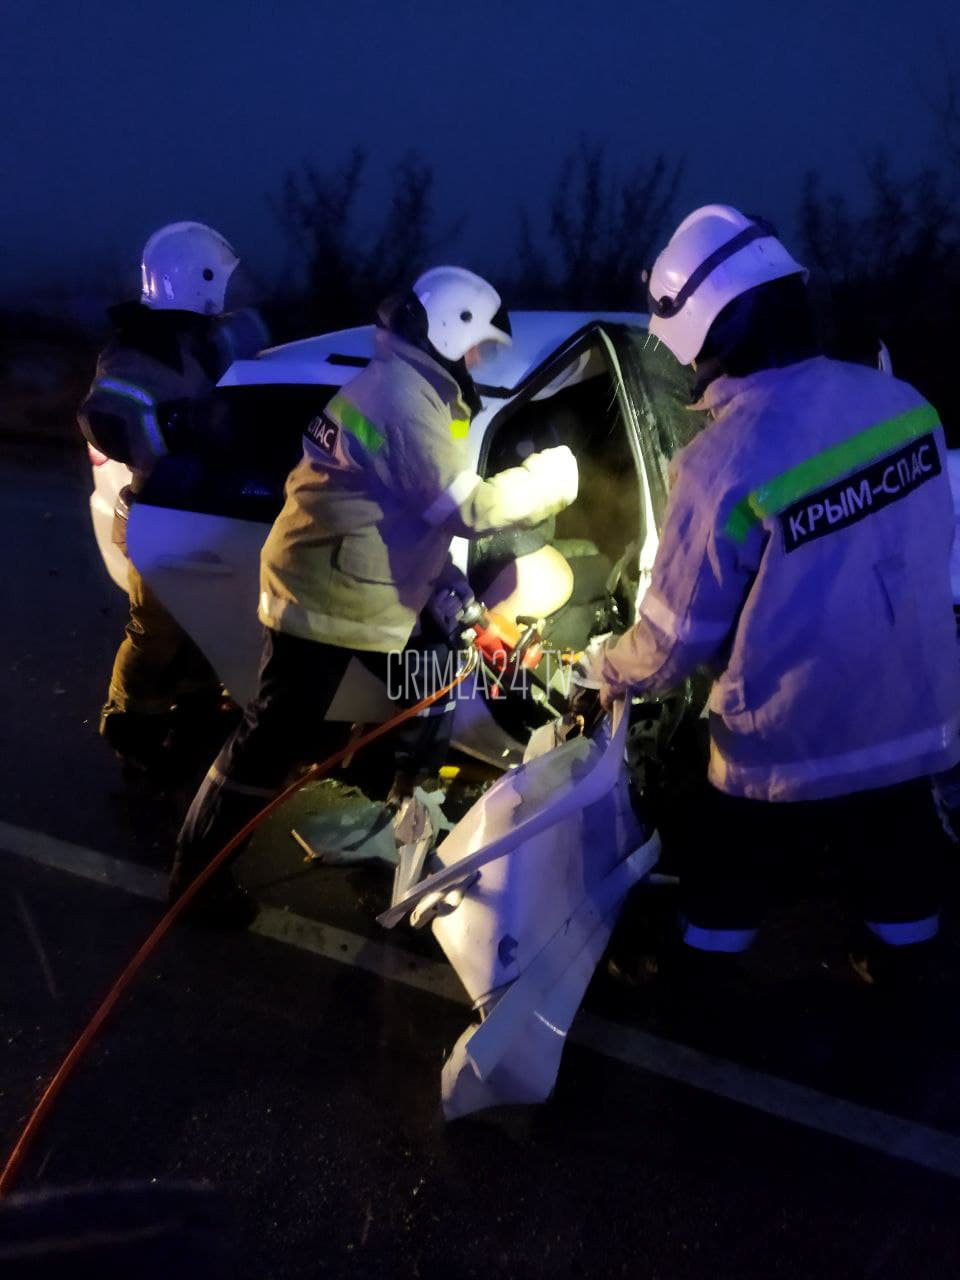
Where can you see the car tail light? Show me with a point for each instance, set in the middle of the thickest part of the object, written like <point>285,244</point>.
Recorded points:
<point>97,459</point>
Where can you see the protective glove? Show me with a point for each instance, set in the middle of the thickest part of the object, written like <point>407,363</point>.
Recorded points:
<point>556,472</point>
<point>451,597</point>
<point>603,671</point>
<point>587,671</point>
<point>586,682</point>
<point>613,683</point>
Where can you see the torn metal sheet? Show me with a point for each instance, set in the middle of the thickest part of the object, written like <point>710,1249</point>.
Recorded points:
<point>344,827</point>
<point>554,846</point>
<point>513,1056</point>
<point>417,827</point>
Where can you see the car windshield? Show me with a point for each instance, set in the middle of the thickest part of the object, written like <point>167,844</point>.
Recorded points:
<point>661,391</point>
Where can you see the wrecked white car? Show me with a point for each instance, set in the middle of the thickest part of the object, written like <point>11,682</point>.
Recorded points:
<point>595,382</point>
<point>523,892</point>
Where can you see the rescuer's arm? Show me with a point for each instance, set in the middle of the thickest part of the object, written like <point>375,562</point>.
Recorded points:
<point>452,594</point>
<point>128,418</point>
<point>700,580</point>
<point>448,491</point>
<point>519,497</point>
<point>121,417</point>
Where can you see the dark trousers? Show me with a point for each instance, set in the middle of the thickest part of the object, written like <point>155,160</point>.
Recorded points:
<point>739,856</point>
<point>157,663</point>
<point>284,727</point>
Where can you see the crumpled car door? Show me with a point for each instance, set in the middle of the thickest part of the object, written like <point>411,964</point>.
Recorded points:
<point>529,886</point>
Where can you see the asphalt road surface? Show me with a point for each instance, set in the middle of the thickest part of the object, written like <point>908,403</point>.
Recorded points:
<point>802,1127</point>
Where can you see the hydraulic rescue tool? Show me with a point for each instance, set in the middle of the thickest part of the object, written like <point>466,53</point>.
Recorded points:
<point>53,1090</point>
<point>558,846</point>
<point>506,648</point>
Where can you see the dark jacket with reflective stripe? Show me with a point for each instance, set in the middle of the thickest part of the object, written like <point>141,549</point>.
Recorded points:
<point>805,554</point>
<point>153,391</point>
<point>385,482</point>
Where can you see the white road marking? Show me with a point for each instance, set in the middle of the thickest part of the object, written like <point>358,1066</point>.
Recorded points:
<point>33,933</point>
<point>892,1135</point>
<point>876,1130</point>
<point>86,863</point>
<point>379,958</point>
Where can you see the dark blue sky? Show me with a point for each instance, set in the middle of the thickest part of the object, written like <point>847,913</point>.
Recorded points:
<point>119,115</point>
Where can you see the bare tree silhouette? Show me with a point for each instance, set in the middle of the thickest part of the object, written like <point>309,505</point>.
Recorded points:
<point>602,232</point>
<point>890,271</point>
<point>343,269</point>
<point>946,113</point>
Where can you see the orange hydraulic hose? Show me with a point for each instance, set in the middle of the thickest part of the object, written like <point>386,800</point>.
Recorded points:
<point>52,1092</point>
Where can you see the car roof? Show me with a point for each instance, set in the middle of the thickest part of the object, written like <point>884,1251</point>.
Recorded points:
<point>333,358</point>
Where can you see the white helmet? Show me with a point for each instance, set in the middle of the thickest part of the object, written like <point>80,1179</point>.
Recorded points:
<point>462,309</point>
<point>714,256</point>
<point>185,267</point>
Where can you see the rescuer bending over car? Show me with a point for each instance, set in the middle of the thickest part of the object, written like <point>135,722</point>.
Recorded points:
<point>359,552</point>
<point>152,403</point>
<point>805,557</point>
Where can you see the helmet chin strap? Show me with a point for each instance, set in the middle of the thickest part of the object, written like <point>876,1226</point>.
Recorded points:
<point>405,316</point>
<point>667,307</point>
<point>464,378</point>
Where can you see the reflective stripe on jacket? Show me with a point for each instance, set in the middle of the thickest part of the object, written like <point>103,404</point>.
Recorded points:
<point>384,483</point>
<point>158,362</point>
<point>120,414</point>
<point>805,554</point>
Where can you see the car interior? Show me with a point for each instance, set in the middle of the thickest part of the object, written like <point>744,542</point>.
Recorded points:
<point>577,569</point>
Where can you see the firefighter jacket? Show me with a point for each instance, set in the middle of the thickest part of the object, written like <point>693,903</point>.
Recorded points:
<point>385,482</point>
<point>805,556</point>
<point>153,391</point>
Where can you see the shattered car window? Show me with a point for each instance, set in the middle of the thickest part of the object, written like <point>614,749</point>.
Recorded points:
<point>661,390</point>
<point>669,389</point>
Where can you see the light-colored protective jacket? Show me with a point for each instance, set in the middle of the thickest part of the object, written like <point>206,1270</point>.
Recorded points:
<point>805,554</point>
<point>384,483</point>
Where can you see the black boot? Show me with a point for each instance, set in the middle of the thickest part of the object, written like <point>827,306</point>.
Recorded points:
<point>200,724</point>
<point>139,740</point>
<point>220,904</point>
<point>898,971</point>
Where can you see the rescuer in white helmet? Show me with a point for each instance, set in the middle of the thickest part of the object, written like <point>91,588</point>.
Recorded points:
<point>804,560</point>
<point>464,314</point>
<point>357,565</point>
<point>187,266</point>
<point>151,401</point>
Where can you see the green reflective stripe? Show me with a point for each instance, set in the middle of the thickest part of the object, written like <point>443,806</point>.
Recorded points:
<point>144,401</point>
<point>352,420</point>
<point>840,460</point>
<point>459,429</point>
<point>740,521</point>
